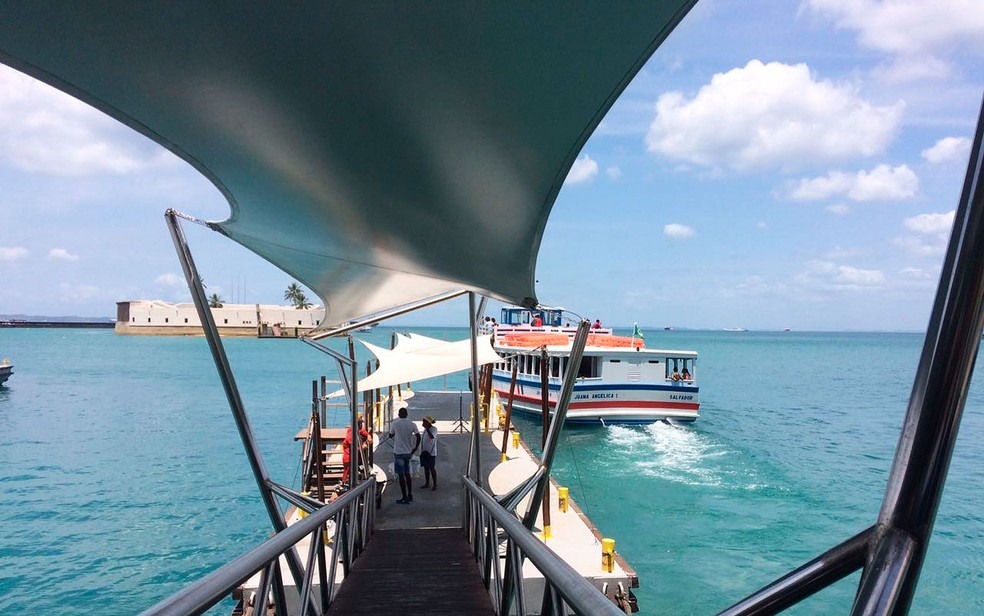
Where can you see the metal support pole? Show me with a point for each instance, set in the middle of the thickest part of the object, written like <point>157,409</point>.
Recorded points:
<point>557,423</point>
<point>229,385</point>
<point>474,458</point>
<point>939,391</point>
<point>355,447</point>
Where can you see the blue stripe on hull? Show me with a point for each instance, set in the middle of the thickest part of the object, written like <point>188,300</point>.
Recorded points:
<point>599,387</point>
<point>596,421</point>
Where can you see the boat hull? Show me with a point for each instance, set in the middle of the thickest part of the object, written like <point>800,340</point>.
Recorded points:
<point>5,372</point>
<point>611,403</point>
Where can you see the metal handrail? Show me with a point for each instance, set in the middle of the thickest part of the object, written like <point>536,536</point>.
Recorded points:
<point>562,583</point>
<point>205,593</point>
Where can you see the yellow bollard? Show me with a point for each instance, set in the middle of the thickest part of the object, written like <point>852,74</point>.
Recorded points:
<point>607,555</point>
<point>301,514</point>
<point>562,499</point>
<point>515,439</point>
<point>546,532</point>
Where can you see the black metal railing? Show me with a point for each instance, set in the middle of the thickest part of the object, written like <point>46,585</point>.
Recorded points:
<point>564,591</point>
<point>337,533</point>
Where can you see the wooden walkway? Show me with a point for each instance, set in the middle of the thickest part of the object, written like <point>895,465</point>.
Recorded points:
<point>428,571</point>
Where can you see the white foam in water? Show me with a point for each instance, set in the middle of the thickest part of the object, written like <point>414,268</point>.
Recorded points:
<point>670,452</point>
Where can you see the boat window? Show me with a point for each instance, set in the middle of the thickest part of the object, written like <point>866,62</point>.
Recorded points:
<point>186,319</point>
<point>555,367</point>
<point>615,361</point>
<point>167,320</point>
<point>536,365</point>
<point>654,361</point>
<point>588,368</point>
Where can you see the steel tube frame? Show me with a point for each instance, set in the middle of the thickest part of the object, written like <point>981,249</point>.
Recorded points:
<point>557,423</point>
<point>896,546</point>
<point>229,384</point>
<point>203,594</point>
<point>576,591</point>
<point>831,566</point>
<point>936,404</point>
<point>387,314</point>
<point>474,457</point>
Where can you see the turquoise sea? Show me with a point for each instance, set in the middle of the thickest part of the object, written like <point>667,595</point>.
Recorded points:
<point>122,477</point>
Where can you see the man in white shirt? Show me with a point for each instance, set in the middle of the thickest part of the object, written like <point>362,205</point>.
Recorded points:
<point>406,440</point>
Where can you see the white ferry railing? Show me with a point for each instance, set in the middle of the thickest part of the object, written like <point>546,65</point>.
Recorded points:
<point>564,591</point>
<point>353,518</point>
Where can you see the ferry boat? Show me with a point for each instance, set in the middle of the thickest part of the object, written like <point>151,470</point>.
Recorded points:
<point>619,381</point>
<point>6,369</point>
<point>481,118</point>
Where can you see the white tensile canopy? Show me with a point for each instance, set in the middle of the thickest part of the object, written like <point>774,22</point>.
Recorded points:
<point>379,153</point>
<point>417,357</point>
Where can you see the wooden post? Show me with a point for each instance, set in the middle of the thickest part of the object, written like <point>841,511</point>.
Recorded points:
<point>319,453</point>
<point>509,403</point>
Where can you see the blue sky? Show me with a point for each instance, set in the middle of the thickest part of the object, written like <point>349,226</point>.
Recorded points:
<point>775,164</point>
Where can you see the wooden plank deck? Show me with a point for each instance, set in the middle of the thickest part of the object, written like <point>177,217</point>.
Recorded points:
<point>427,571</point>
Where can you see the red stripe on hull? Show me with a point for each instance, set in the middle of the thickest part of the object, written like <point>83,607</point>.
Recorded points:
<point>625,404</point>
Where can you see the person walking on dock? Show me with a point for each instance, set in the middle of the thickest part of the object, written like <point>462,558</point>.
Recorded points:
<point>406,440</point>
<point>428,453</point>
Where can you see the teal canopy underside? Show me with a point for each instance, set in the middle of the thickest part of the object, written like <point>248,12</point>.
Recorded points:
<point>380,153</point>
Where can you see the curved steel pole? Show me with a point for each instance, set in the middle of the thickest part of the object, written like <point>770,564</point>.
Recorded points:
<point>229,384</point>
<point>474,458</point>
<point>936,404</point>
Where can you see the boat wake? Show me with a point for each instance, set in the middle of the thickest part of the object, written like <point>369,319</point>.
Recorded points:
<point>680,455</point>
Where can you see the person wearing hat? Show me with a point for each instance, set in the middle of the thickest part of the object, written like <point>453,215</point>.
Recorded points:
<point>428,453</point>
<point>364,440</point>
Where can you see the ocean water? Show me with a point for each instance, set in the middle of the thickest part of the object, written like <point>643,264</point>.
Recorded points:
<point>122,477</point>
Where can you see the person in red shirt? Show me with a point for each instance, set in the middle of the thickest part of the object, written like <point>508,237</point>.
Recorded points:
<point>364,440</point>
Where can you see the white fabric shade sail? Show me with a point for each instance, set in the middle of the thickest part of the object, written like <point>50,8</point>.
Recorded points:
<point>417,357</point>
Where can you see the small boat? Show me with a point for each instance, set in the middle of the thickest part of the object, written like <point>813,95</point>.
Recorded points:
<point>6,369</point>
<point>619,381</point>
<point>735,329</point>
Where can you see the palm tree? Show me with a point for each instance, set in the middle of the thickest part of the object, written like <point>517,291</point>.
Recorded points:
<point>214,301</point>
<point>296,296</point>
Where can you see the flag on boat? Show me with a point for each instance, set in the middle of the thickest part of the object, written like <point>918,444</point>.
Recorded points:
<point>636,332</point>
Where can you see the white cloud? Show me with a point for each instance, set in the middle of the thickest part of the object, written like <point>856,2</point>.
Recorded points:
<point>883,183</point>
<point>613,172</point>
<point>78,292</point>
<point>859,277</point>
<point>934,230</point>
<point>47,131</point>
<point>838,252</point>
<point>583,169</point>
<point>931,223</point>
<point>838,209</point>
<point>678,232</point>
<point>60,254</point>
<point>817,266</point>
<point>916,273</point>
<point>917,33</point>
<point>12,253</point>
<point>921,246</point>
<point>948,149</point>
<point>766,116</point>
<point>169,280</point>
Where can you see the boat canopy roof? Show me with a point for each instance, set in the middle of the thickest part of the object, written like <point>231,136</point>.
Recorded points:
<point>378,153</point>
